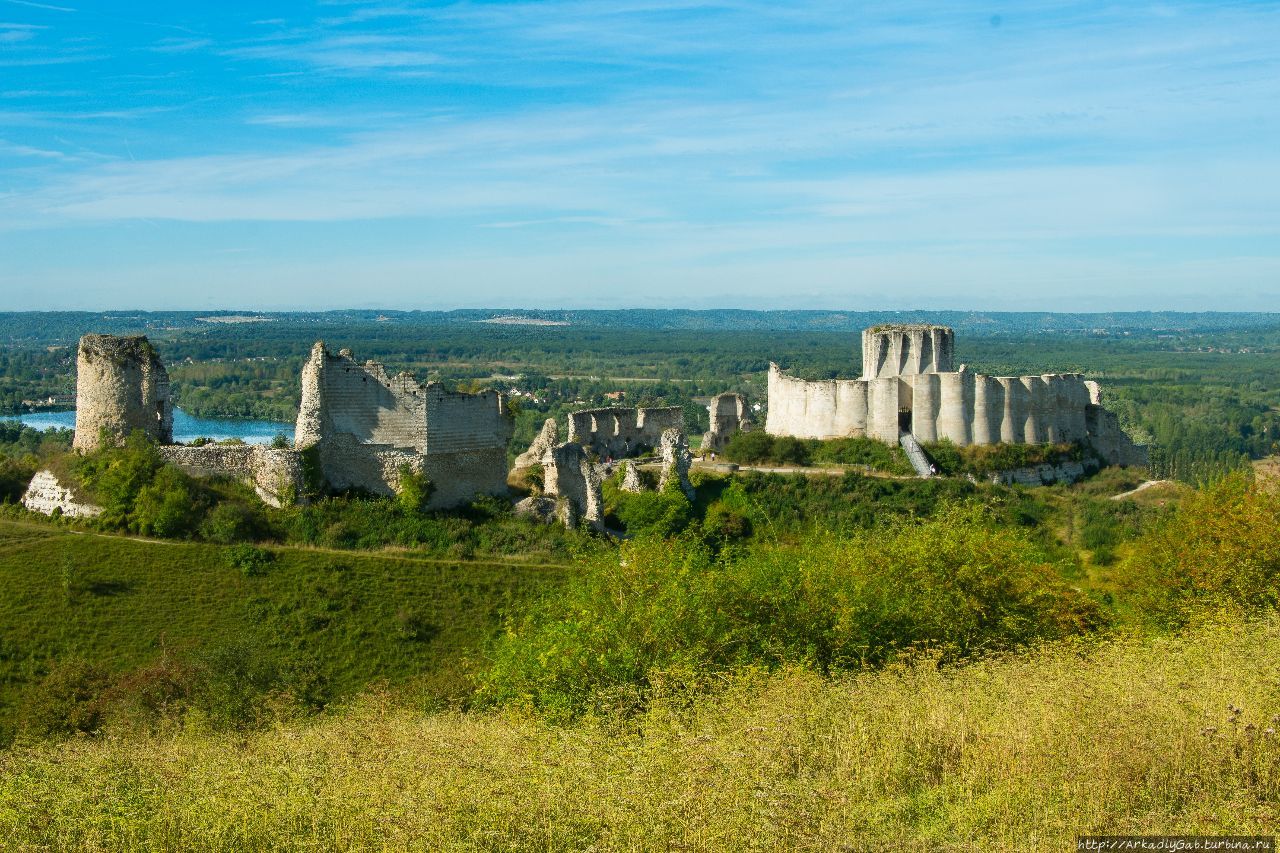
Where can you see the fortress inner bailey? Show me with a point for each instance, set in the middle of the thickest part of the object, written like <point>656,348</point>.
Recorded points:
<point>909,385</point>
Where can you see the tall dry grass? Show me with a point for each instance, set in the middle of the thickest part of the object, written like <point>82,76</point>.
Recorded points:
<point>1020,753</point>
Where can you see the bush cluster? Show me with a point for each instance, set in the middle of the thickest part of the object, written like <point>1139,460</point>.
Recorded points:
<point>760,448</point>
<point>960,583</point>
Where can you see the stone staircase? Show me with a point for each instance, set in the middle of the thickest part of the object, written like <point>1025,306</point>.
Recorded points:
<point>916,455</point>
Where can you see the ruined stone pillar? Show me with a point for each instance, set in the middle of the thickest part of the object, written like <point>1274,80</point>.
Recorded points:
<point>1035,431</point>
<point>1073,402</point>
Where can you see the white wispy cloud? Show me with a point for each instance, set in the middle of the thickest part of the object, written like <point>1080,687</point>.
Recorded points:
<point>741,140</point>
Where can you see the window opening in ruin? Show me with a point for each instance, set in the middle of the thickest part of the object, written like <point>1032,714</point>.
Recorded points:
<point>904,421</point>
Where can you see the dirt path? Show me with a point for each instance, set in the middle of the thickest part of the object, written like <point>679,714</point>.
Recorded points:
<point>1142,488</point>
<point>387,554</point>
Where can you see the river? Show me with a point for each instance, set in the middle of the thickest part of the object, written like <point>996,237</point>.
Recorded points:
<point>185,427</point>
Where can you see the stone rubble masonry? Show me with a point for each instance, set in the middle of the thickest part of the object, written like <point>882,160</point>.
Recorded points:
<point>121,386</point>
<point>546,438</point>
<point>45,494</point>
<point>674,449</point>
<point>574,482</point>
<point>622,432</point>
<point>729,414</point>
<point>367,427</point>
<point>276,474</point>
<point>936,402</point>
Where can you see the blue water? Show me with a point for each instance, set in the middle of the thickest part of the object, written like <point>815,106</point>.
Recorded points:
<point>185,427</point>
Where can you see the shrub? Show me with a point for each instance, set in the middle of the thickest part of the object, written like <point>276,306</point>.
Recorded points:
<point>415,489</point>
<point>749,448</point>
<point>169,506</point>
<point>67,700</point>
<point>114,476</point>
<point>723,523</point>
<point>660,514</point>
<point>248,559</point>
<point>15,475</point>
<point>960,583</point>
<point>231,521</point>
<point>1219,549</point>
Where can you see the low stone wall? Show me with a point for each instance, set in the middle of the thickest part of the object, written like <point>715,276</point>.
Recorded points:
<point>276,474</point>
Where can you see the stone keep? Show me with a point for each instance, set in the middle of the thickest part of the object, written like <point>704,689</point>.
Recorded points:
<point>121,386</point>
<point>908,384</point>
<point>906,350</point>
<point>366,427</point>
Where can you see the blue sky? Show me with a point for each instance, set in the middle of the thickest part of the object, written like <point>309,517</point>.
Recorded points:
<point>1026,156</point>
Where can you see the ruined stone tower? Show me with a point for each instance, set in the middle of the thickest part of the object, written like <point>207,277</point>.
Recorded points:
<point>121,386</point>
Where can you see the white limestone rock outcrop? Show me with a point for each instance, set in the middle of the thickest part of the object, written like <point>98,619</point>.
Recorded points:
<point>46,494</point>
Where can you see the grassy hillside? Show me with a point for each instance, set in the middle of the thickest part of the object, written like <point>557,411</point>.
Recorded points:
<point>1142,735</point>
<point>352,618</point>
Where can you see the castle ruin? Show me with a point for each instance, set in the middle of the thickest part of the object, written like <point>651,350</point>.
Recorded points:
<point>909,386</point>
<point>621,432</point>
<point>121,386</point>
<point>728,414</point>
<point>367,428</point>
<point>364,428</point>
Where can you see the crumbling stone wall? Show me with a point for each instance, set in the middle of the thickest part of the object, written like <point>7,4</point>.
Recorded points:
<point>570,478</point>
<point>367,427</point>
<point>276,474</point>
<point>621,432</point>
<point>121,386</point>
<point>546,439</point>
<point>46,494</point>
<point>934,404</point>
<point>729,414</point>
